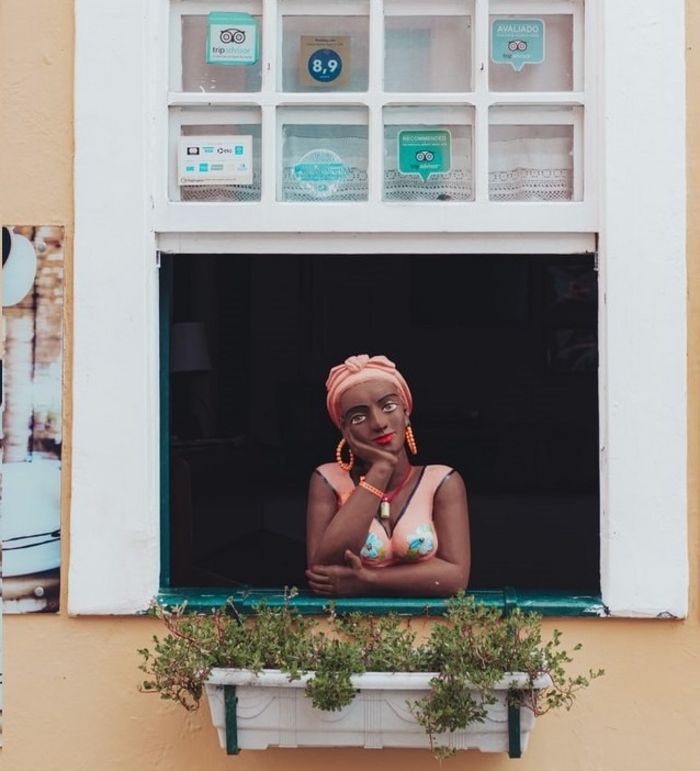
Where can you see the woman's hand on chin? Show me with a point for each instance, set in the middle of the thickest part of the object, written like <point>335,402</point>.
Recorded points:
<point>373,454</point>
<point>349,580</point>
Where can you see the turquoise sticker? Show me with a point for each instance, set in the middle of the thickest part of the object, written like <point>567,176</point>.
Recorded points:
<point>232,38</point>
<point>517,42</point>
<point>424,152</point>
<point>320,172</point>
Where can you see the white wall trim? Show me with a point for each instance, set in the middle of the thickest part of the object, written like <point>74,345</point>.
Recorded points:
<point>114,523</point>
<point>114,553</point>
<point>378,243</point>
<point>644,560</point>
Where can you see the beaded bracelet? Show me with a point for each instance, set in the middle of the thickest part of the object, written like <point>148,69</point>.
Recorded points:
<point>371,488</point>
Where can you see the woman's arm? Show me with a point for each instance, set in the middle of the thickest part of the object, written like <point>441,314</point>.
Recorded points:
<point>330,531</point>
<point>441,576</point>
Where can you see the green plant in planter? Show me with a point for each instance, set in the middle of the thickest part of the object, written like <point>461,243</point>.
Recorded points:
<point>470,649</point>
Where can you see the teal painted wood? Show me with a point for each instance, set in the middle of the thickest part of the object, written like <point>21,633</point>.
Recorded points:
<point>231,707</point>
<point>555,604</point>
<point>164,312</point>
<point>510,599</point>
<point>514,746</point>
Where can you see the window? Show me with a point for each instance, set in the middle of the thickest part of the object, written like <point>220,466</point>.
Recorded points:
<point>501,355</point>
<point>356,109</point>
<point>634,212</point>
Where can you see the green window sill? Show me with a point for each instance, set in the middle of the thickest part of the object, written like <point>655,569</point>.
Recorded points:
<point>559,604</point>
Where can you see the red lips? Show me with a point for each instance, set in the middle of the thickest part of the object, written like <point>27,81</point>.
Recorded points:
<point>384,439</point>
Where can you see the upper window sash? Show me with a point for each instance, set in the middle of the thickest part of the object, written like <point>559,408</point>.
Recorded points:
<point>268,209</point>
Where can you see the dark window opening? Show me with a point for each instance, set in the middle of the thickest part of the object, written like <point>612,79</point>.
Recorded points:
<point>500,353</point>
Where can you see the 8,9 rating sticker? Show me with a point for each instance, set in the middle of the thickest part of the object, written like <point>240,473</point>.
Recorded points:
<point>325,65</point>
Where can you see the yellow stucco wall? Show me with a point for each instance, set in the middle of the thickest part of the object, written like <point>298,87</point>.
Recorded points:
<point>70,684</point>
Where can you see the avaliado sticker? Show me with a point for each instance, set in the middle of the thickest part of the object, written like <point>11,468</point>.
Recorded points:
<point>320,172</point>
<point>517,42</point>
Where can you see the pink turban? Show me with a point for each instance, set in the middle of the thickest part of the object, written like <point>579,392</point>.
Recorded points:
<point>360,369</point>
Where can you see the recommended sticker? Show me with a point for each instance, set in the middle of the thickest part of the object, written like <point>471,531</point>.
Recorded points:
<point>517,42</point>
<point>324,61</point>
<point>320,172</point>
<point>424,152</point>
<point>232,38</point>
<point>215,160</point>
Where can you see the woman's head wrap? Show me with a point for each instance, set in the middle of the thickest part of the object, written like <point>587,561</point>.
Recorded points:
<point>360,369</point>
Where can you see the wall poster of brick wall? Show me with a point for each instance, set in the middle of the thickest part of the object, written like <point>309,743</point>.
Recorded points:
<point>30,506</point>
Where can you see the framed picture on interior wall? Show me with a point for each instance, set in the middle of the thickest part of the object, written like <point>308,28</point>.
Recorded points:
<point>572,350</point>
<point>32,417</point>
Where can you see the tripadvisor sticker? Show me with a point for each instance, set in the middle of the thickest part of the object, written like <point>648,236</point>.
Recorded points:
<point>517,42</point>
<point>424,152</point>
<point>232,38</point>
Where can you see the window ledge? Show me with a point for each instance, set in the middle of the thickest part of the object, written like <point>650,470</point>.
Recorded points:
<point>548,603</point>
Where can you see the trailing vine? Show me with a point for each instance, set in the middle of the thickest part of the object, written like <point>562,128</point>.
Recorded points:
<point>470,648</point>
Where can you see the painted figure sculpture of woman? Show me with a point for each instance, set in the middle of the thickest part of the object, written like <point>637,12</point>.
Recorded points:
<point>376,523</point>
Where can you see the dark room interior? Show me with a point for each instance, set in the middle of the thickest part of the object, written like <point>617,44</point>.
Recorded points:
<point>500,352</point>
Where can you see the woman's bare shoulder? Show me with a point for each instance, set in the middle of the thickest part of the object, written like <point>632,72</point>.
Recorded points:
<point>447,480</point>
<point>327,470</point>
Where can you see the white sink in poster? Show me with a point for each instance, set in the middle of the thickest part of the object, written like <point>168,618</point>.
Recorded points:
<point>30,517</point>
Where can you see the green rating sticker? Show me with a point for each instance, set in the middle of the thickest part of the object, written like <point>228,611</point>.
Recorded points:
<point>424,152</point>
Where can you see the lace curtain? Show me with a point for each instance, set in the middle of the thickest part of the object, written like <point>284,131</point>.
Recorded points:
<point>521,169</point>
<point>340,156</point>
<point>531,169</point>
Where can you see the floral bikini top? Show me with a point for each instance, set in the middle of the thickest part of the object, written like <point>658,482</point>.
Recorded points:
<point>413,538</point>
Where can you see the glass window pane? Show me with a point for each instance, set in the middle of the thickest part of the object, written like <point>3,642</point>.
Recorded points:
<point>247,127</point>
<point>428,154</point>
<point>324,155</point>
<point>198,76</point>
<point>428,53</point>
<point>325,53</point>
<point>532,160</point>
<point>553,73</point>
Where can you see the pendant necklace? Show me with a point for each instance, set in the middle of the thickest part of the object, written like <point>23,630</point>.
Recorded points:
<point>387,498</point>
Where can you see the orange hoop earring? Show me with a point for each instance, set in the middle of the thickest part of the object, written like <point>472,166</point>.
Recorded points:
<point>339,456</point>
<point>411,440</point>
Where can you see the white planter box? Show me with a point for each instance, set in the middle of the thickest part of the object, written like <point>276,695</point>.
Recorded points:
<point>271,711</point>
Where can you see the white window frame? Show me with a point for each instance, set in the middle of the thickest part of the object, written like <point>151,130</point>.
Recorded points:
<point>637,218</point>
